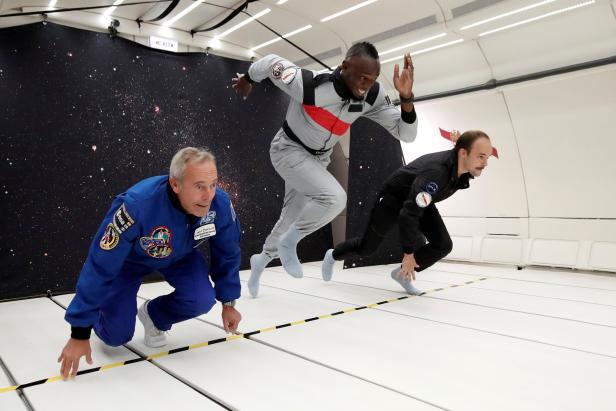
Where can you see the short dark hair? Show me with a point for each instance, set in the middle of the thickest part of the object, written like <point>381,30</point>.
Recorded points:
<point>467,139</point>
<point>362,48</point>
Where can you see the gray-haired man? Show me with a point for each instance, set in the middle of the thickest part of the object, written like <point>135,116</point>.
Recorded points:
<point>157,224</point>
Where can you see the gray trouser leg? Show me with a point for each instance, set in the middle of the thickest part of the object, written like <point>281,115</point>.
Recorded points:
<point>293,204</point>
<point>313,197</point>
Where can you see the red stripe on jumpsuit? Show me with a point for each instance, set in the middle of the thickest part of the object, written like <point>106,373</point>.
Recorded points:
<point>327,120</point>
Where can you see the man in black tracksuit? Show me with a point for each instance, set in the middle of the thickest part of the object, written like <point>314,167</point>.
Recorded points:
<point>408,198</point>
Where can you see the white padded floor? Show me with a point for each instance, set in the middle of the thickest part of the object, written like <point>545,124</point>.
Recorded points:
<point>532,339</point>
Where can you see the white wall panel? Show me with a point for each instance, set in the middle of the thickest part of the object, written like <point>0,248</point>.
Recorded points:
<point>502,250</point>
<point>462,248</point>
<point>565,130</point>
<point>507,226</point>
<point>569,229</point>
<point>603,256</point>
<point>554,252</point>
<point>465,226</point>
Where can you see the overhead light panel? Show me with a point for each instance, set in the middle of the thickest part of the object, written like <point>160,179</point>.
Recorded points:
<point>113,7</point>
<point>555,12</point>
<point>345,11</point>
<point>415,43</point>
<point>414,53</point>
<point>510,13</point>
<point>52,3</point>
<point>243,23</point>
<point>292,33</point>
<point>281,2</point>
<point>183,13</point>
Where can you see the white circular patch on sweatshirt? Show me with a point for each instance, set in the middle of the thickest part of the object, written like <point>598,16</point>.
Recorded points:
<point>423,199</point>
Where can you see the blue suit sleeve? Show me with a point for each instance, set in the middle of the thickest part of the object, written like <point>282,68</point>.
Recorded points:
<point>110,247</point>
<point>225,258</point>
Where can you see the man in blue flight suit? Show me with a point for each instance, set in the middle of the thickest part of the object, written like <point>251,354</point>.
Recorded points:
<point>157,225</point>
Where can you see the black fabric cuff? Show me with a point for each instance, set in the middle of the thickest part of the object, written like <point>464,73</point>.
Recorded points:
<point>251,81</point>
<point>81,333</point>
<point>408,116</point>
<point>407,250</point>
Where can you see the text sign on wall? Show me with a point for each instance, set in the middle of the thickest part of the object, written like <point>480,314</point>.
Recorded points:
<point>163,44</point>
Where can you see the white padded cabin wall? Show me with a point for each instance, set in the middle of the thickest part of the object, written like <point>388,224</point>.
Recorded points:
<point>565,131</point>
<point>551,197</point>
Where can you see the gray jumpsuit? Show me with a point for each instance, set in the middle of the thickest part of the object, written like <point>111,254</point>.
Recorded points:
<point>320,111</point>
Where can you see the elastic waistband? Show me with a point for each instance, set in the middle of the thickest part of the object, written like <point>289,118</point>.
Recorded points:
<point>291,135</point>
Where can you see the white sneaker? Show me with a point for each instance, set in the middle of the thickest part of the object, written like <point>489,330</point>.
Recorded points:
<point>404,282</point>
<point>153,337</point>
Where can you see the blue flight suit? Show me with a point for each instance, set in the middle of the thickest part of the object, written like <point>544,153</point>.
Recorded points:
<point>145,230</point>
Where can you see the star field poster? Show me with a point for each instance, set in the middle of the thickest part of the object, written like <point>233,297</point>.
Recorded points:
<point>84,116</point>
<point>374,156</point>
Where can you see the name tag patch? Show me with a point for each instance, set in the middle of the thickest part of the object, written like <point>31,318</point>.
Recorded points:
<point>122,221</point>
<point>205,231</point>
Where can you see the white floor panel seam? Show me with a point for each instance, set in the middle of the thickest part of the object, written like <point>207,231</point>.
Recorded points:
<point>159,366</point>
<point>542,296</point>
<point>535,281</point>
<point>499,334</point>
<point>198,389</point>
<point>22,395</point>
<point>347,270</point>
<point>258,341</point>
<point>313,361</point>
<point>375,288</point>
<point>325,298</point>
<point>521,312</point>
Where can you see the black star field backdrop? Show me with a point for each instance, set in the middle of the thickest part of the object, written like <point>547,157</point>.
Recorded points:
<point>84,116</point>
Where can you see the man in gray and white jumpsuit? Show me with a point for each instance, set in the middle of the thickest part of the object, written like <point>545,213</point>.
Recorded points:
<point>322,108</point>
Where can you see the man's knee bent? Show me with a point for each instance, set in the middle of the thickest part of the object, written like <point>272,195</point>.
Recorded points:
<point>337,201</point>
<point>198,306</point>
<point>445,247</point>
<point>114,339</point>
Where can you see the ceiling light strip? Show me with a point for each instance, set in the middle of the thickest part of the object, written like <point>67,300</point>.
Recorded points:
<point>415,43</point>
<point>242,24</point>
<point>519,23</point>
<point>510,13</point>
<point>292,33</point>
<point>345,11</point>
<point>114,6</point>
<point>183,13</point>
<point>414,53</point>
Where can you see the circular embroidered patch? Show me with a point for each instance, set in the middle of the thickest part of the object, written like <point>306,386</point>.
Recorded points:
<point>277,70</point>
<point>432,187</point>
<point>110,238</point>
<point>423,199</point>
<point>158,244</point>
